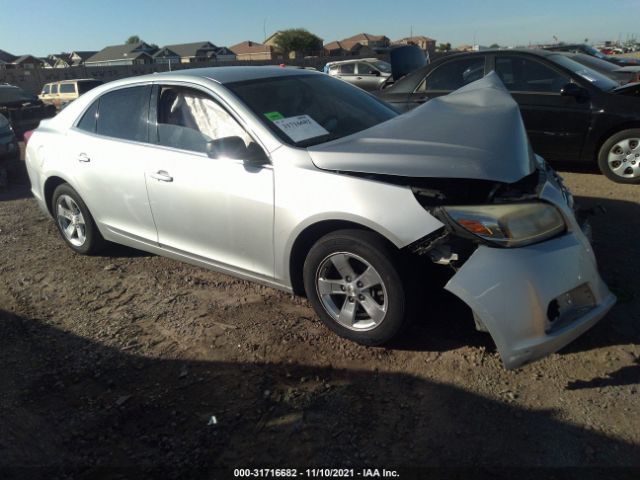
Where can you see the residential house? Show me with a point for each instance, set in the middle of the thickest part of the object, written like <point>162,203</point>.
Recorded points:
<point>347,48</point>
<point>374,42</point>
<point>428,45</point>
<point>28,62</point>
<point>6,57</point>
<point>127,54</point>
<point>47,62</point>
<point>250,50</point>
<point>224,54</point>
<point>78,57</point>
<point>166,56</point>
<point>194,52</point>
<point>61,60</point>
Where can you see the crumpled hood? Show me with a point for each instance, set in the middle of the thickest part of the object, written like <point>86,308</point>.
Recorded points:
<point>475,132</point>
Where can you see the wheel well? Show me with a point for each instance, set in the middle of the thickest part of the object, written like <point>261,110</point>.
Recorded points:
<point>49,187</point>
<point>305,241</point>
<point>612,131</point>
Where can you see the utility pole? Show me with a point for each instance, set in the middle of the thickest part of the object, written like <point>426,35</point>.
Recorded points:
<point>264,29</point>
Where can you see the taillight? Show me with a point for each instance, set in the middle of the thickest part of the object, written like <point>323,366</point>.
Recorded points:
<point>27,136</point>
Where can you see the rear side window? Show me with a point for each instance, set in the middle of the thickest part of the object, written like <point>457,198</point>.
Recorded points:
<point>67,88</point>
<point>88,120</point>
<point>347,68</point>
<point>455,74</point>
<point>124,114</point>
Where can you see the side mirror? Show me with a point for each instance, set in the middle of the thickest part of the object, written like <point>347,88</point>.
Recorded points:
<point>374,72</point>
<point>229,147</point>
<point>235,148</point>
<point>574,90</point>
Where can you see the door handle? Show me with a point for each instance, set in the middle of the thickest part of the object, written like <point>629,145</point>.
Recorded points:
<point>358,78</point>
<point>83,157</point>
<point>161,175</point>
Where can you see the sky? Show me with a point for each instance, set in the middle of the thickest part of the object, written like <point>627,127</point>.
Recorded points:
<point>40,28</point>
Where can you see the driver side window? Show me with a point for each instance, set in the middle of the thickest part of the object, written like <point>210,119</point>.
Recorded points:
<point>188,119</point>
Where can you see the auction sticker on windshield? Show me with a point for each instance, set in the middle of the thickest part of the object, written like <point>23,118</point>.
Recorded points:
<point>301,127</point>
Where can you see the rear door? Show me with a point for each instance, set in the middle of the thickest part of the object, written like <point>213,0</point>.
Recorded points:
<point>108,147</point>
<point>557,125</point>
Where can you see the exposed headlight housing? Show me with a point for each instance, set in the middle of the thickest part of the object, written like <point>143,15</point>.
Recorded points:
<point>509,224</point>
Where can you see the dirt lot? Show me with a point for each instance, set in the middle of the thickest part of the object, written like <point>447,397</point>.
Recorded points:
<point>121,360</point>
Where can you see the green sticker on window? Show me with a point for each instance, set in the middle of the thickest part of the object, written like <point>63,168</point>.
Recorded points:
<point>273,116</point>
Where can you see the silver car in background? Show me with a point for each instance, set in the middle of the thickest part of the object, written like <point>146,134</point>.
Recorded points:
<point>305,183</point>
<point>366,73</point>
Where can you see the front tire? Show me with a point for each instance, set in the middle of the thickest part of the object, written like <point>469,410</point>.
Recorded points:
<point>619,157</point>
<point>354,284</point>
<point>74,222</point>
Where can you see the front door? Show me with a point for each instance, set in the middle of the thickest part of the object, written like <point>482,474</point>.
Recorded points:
<point>556,124</point>
<point>218,210</point>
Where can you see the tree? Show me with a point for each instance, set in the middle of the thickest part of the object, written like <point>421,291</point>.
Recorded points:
<point>494,45</point>
<point>444,47</point>
<point>133,39</point>
<point>297,40</point>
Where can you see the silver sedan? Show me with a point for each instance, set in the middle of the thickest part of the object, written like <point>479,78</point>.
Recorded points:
<point>302,182</point>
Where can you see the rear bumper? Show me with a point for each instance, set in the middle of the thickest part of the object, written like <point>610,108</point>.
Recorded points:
<point>534,300</point>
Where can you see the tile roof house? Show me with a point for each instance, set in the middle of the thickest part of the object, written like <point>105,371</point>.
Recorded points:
<point>127,54</point>
<point>346,48</point>
<point>428,45</point>
<point>368,40</point>
<point>6,57</point>
<point>250,50</point>
<point>28,61</point>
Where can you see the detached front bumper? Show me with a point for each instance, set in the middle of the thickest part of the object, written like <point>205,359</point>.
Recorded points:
<point>534,300</point>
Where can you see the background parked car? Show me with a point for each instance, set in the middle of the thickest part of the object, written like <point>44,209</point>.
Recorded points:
<point>620,74</point>
<point>571,112</point>
<point>366,73</point>
<point>24,111</point>
<point>9,150</point>
<point>63,92</point>
<point>594,52</point>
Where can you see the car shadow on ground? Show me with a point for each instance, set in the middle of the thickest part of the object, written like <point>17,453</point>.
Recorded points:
<point>70,404</point>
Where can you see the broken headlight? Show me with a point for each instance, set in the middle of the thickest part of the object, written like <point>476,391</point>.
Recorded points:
<point>508,225</point>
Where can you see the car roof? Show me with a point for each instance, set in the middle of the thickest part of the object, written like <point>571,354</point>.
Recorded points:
<point>368,59</point>
<point>224,75</point>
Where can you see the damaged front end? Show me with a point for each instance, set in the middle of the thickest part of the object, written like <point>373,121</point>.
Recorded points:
<point>522,262</point>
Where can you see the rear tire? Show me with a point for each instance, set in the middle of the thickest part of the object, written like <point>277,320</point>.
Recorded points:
<point>353,281</point>
<point>74,221</point>
<point>619,157</point>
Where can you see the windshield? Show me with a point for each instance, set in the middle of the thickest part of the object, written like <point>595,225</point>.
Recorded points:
<point>594,51</point>
<point>593,62</point>
<point>595,78</point>
<point>306,110</point>
<point>382,66</point>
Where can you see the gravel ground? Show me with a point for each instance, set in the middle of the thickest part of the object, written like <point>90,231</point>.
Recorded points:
<point>121,360</point>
